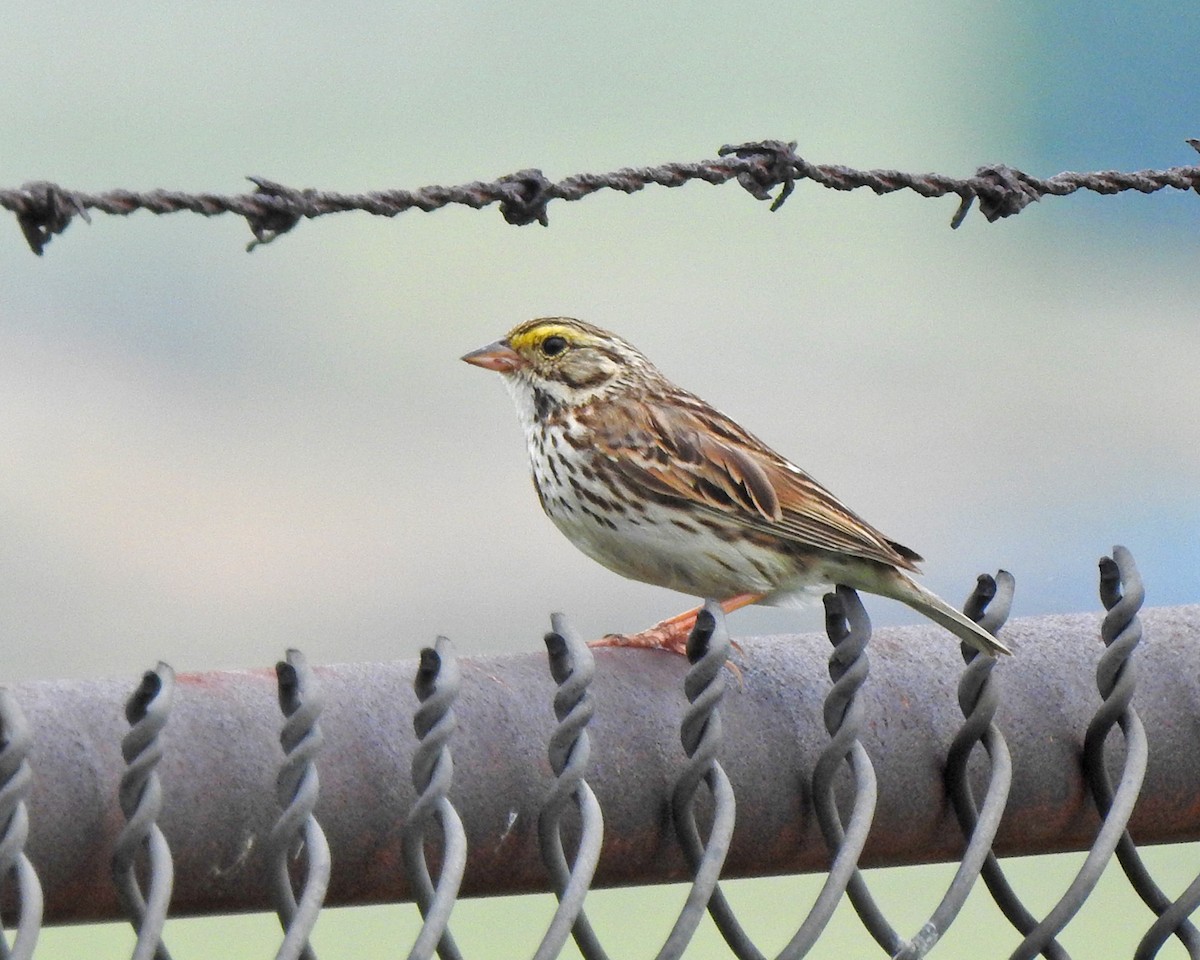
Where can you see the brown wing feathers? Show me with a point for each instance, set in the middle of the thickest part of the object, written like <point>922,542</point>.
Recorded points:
<point>703,457</point>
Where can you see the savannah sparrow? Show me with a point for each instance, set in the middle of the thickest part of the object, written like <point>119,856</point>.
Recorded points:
<point>655,484</point>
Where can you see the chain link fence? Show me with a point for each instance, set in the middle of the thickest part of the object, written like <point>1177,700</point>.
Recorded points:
<point>206,802</point>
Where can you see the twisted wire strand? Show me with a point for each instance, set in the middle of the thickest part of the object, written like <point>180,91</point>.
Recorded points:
<point>844,746</point>
<point>989,605</point>
<point>718,906</point>
<point>849,631</point>
<point>1168,922</point>
<point>16,777</point>
<point>1121,632</point>
<point>140,796</point>
<point>437,686</point>
<point>296,832</point>
<point>572,667</point>
<point>978,697</point>
<point>708,649</point>
<point>1122,593</point>
<point>45,209</point>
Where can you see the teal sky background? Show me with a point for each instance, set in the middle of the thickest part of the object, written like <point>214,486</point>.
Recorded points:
<point>211,456</point>
<point>1104,77</point>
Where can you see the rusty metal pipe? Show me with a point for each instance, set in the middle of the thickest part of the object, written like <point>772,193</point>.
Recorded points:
<point>222,756</point>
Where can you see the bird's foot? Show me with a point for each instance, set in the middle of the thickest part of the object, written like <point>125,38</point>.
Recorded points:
<point>669,635</point>
<point>672,634</point>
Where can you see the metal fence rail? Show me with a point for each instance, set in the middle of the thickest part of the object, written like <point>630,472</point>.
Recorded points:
<point>441,779</point>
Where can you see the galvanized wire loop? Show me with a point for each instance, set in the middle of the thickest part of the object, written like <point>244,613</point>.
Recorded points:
<point>296,833</point>
<point>849,631</point>
<point>978,699</point>
<point>141,801</point>
<point>1121,632</point>
<point>15,779</point>
<point>708,649</point>
<point>1122,593</point>
<point>572,666</point>
<point>849,657</point>
<point>1169,921</point>
<point>436,685</point>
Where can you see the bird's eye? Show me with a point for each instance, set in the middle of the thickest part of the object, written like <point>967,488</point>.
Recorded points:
<point>553,346</point>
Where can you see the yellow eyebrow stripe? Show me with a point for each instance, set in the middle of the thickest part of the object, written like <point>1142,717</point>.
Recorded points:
<point>535,335</point>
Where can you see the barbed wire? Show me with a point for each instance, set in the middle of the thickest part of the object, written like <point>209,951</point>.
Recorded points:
<point>44,209</point>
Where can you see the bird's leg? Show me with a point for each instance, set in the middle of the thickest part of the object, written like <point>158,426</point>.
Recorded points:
<point>672,634</point>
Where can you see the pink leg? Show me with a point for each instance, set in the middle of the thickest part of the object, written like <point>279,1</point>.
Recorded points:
<point>672,634</point>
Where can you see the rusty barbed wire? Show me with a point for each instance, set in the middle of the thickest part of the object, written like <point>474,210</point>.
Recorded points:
<point>141,801</point>
<point>15,866</point>
<point>44,210</point>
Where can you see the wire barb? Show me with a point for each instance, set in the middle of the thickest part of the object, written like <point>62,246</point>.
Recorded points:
<point>43,210</point>
<point>775,165</point>
<point>268,223</point>
<point>526,194</point>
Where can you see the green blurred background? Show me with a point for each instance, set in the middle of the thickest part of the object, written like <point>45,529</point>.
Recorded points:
<point>211,456</point>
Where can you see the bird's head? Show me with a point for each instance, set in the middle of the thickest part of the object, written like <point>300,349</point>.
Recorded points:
<point>563,361</point>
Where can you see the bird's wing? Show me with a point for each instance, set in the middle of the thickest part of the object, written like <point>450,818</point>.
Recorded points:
<point>688,451</point>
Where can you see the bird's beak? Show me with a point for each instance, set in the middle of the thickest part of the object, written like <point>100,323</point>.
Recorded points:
<point>498,356</point>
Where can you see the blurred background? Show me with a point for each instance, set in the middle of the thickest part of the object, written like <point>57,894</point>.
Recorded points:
<point>210,456</point>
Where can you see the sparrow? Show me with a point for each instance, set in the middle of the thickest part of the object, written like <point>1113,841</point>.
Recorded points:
<point>657,485</point>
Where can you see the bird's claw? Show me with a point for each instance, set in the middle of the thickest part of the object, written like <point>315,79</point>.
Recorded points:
<point>655,638</point>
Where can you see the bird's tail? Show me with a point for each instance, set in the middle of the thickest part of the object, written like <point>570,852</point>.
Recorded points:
<point>899,586</point>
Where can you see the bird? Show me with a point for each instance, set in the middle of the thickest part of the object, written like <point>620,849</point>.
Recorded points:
<point>658,486</point>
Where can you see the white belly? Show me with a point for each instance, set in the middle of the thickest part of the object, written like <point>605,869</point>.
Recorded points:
<point>653,549</point>
<point>654,545</point>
